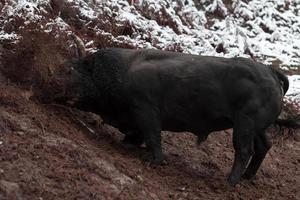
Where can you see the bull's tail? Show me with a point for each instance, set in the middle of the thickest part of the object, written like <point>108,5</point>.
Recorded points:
<point>285,119</point>
<point>284,81</point>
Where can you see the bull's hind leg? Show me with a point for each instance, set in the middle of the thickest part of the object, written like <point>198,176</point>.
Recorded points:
<point>243,134</point>
<point>261,147</point>
<point>148,121</point>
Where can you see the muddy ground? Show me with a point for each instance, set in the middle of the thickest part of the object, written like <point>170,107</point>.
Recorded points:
<point>47,151</point>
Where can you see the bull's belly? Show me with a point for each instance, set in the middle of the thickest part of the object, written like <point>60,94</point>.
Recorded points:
<point>179,121</point>
<point>196,125</point>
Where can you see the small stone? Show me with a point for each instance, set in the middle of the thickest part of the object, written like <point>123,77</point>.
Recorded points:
<point>171,195</point>
<point>228,155</point>
<point>20,133</point>
<point>139,178</point>
<point>9,188</point>
<point>297,138</point>
<point>181,189</point>
<point>185,195</point>
<point>153,196</point>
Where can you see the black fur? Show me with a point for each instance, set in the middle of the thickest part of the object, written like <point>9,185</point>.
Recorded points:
<point>143,92</point>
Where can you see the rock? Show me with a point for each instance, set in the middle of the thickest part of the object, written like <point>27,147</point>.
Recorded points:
<point>108,170</point>
<point>10,189</point>
<point>20,133</point>
<point>139,178</point>
<point>228,155</point>
<point>153,196</point>
<point>181,189</point>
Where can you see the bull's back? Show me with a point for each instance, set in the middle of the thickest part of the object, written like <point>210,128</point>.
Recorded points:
<point>192,91</point>
<point>195,92</point>
<point>188,89</point>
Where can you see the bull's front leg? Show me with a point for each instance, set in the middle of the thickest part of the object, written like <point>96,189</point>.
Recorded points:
<point>243,134</point>
<point>135,138</point>
<point>148,122</point>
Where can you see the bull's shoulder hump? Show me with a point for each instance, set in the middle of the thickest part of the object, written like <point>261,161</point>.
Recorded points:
<point>141,55</point>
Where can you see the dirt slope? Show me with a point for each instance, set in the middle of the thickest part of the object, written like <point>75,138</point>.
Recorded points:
<point>47,153</point>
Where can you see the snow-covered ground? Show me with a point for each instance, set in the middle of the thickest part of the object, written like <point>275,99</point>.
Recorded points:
<point>294,89</point>
<point>265,30</point>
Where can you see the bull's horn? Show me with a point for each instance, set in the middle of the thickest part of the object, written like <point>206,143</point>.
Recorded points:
<point>80,45</point>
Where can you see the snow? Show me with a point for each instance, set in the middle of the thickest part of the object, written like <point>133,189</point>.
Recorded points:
<point>217,5</point>
<point>56,23</point>
<point>28,9</point>
<point>8,36</point>
<point>268,30</point>
<point>294,89</point>
<point>263,27</point>
<point>87,10</point>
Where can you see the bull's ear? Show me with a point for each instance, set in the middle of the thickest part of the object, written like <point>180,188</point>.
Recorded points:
<point>281,83</point>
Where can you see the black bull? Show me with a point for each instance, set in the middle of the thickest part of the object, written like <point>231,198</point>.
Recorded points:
<point>143,92</point>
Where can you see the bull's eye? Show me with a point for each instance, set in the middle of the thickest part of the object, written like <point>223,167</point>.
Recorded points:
<point>70,70</point>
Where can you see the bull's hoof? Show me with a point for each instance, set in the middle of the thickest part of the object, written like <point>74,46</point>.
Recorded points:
<point>153,162</point>
<point>248,176</point>
<point>162,162</point>
<point>232,181</point>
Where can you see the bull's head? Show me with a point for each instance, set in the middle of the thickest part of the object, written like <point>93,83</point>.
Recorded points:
<point>75,83</point>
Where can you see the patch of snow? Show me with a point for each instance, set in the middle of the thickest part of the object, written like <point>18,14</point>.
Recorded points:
<point>56,23</point>
<point>8,36</point>
<point>28,9</point>
<point>269,29</point>
<point>90,43</point>
<point>87,10</point>
<point>294,90</point>
<point>217,5</point>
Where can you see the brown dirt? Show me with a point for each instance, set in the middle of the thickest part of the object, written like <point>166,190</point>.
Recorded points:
<point>46,152</point>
